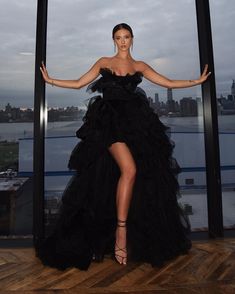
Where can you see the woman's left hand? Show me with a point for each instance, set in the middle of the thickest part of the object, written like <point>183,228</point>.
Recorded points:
<point>204,75</point>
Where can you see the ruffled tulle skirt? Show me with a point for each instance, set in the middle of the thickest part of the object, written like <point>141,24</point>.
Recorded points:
<point>157,228</point>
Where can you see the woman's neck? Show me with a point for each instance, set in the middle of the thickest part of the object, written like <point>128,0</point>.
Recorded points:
<point>123,55</point>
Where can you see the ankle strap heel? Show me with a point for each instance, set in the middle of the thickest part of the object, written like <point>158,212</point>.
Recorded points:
<point>120,254</point>
<point>121,223</point>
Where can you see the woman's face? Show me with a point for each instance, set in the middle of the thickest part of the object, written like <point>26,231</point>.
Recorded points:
<point>123,39</point>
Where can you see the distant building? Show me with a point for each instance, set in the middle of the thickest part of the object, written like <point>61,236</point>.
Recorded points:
<point>226,106</point>
<point>11,113</point>
<point>8,108</point>
<point>156,100</point>
<point>169,94</point>
<point>233,89</point>
<point>150,101</point>
<point>188,106</point>
<point>230,97</point>
<point>171,107</point>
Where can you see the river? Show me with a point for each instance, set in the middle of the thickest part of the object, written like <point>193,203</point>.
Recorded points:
<point>15,131</point>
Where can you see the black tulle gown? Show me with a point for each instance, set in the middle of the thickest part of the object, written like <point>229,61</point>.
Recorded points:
<point>157,229</point>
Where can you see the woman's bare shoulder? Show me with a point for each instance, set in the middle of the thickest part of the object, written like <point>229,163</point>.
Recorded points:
<point>140,65</point>
<point>103,61</point>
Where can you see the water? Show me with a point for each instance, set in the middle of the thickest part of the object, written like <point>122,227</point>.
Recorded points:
<point>195,124</point>
<point>14,131</point>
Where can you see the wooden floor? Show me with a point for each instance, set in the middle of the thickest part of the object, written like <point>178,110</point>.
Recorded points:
<point>209,269</point>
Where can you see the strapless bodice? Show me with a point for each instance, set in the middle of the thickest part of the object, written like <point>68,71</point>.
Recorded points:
<point>116,86</point>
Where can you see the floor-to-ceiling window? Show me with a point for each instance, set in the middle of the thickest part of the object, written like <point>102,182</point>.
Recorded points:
<point>223,22</point>
<point>165,36</point>
<point>17,55</point>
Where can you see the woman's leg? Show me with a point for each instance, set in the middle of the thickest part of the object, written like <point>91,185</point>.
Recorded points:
<point>126,163</point>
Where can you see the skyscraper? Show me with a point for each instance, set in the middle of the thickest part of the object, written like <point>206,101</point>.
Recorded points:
<point>188,106</point>
<point>156,98</point>
<point>233,89</point>
<point>169,95</point>
<point>170,101</point>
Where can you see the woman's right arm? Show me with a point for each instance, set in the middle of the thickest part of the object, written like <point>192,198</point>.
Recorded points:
<point>74,84</point>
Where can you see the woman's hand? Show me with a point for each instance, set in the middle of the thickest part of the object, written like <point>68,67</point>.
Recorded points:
<point>204,75</point>
<point>44,72</point>
<point>72,84</point>
<point>161,80</point>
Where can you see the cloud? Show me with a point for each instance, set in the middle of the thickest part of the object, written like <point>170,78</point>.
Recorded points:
<point>79,32</point>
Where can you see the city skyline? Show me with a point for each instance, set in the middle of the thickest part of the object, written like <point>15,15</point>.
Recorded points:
<point>186,106</point>
<point>155,99</point>
<point>75,43</point>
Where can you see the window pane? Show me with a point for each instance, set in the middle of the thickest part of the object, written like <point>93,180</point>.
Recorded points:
<point>78,36</point>
<point>223,22</point>
<point>18,26</point>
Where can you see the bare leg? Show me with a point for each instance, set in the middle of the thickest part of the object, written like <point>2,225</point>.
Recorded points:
<point>125,161</point>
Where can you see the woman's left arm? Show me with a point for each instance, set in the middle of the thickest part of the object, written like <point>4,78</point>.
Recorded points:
<point>150,74</point>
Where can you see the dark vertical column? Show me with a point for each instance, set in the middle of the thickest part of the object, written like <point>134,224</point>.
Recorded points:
<point>39,123</point>
<point>215,216</point>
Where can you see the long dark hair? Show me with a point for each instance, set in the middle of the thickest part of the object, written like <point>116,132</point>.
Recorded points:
<point>122,26</point>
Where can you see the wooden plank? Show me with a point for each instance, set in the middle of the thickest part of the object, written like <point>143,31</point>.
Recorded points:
<point>116,275</point>
<point>94,279</point>
<point>208,268</point>
<point>134,276</point>
<point>77,277</point>
<point>29,276</point>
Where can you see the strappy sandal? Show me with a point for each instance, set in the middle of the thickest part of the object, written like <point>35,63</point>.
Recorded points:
<point>120,223</point>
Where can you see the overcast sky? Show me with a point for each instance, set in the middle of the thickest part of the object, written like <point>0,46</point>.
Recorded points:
<point>79,32</point>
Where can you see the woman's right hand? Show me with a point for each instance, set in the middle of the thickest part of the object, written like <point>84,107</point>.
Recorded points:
<point>45,73</point>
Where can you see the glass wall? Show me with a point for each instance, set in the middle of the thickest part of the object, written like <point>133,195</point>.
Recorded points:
<point>17,55</point>
<point>223,22</point>
<point>165,37</point>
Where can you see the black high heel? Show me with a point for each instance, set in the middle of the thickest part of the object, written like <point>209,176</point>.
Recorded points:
<point>120,223</point>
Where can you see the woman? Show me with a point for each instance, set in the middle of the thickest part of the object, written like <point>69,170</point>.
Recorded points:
<point>123,198</point>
